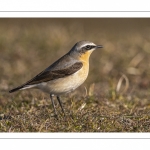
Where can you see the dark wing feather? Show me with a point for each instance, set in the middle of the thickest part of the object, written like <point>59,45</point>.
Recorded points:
<point>55,74</point>
<point>55,71</point>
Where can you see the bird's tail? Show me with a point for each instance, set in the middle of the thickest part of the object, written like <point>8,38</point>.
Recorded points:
<point>22,87</point>
<point>16,89</point>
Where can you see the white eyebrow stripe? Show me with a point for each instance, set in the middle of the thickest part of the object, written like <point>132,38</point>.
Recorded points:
<point>91,44</point>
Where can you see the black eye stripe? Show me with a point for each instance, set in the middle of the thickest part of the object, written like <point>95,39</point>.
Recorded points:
<point>89,47</point>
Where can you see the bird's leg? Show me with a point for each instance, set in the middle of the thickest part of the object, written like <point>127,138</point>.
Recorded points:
<point>51,97</point>
<point>58,98</point>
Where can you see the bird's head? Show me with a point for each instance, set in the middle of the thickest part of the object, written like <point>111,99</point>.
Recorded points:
<point>83,49</point>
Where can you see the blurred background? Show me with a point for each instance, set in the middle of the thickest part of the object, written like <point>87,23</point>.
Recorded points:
<point>27,46</point>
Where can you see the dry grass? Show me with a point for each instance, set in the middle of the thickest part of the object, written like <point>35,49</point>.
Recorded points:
<point>117,93</point>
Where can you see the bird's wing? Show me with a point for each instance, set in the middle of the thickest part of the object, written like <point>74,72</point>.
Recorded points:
<point>50,74</point>
<point>63,67</point>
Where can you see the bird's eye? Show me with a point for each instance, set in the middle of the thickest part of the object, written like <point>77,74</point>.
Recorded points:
<point>88,47</point>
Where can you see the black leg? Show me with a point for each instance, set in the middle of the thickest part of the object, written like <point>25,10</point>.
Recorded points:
<point>60,104</point>
<point>51,97</point>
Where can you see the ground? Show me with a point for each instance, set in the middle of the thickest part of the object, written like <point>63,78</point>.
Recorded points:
<point>114,98</point>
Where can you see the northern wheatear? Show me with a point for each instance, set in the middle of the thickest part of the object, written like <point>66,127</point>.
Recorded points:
<point>64,75</point>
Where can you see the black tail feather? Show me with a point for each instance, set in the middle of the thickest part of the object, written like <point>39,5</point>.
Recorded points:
<point>16,89</point>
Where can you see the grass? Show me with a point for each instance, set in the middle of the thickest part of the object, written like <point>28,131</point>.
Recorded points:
<point>115,96</point>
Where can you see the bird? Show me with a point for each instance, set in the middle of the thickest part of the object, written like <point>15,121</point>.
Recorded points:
<point>64,75</point>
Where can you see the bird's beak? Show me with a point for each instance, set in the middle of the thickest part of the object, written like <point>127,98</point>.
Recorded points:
<point>99,46</point>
